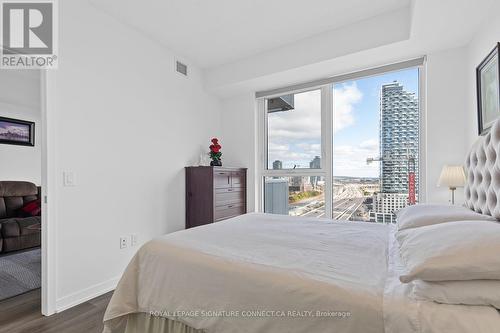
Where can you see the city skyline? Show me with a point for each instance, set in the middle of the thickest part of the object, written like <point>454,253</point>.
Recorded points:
<point>295,137</point>
<point>375,118</point>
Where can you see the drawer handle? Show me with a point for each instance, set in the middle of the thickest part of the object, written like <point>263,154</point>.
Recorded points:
<point>229,189</point>
<point>230,206</point>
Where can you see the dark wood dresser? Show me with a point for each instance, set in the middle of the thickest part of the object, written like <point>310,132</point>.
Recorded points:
<point>214,194</point>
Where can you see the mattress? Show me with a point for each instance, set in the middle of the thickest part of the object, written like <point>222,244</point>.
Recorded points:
<point>272,273</point>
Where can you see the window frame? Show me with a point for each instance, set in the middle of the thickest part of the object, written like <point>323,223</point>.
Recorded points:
<point>326,145</point>
<point>327,137</point>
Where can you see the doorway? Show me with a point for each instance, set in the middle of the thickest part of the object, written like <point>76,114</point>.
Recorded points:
<point>20,182</point>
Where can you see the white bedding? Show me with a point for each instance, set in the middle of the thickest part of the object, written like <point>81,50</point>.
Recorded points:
<point>404,313</point>
<point>283,270</point>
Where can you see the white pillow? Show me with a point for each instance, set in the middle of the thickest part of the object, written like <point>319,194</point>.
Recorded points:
<point>427,214</point>
<point>464,250</point>
<point>473,292</point>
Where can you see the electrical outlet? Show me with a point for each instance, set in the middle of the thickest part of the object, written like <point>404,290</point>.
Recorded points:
<point>123,242</point>
<point>133,240</point>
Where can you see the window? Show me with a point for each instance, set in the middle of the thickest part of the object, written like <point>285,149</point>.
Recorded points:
<point>294,131</point>
<point>348,149</point>
<point>295,196</point>
<point>294,179</point>
<point>376,145</point>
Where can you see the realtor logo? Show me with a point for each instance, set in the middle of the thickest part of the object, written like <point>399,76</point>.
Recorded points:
<point>28,31</point>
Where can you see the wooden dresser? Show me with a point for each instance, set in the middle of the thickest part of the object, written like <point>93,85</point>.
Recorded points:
<point>214,194</point>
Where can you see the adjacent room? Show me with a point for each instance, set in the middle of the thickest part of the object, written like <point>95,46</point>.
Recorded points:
<point>20,181</point>
<point>185,166</point>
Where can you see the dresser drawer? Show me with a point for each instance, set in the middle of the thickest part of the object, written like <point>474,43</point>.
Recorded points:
<point>214,194</point>
<point>227,211</point>
<point>228,196</point>
<point>238,179</point>
<point>222,179</point>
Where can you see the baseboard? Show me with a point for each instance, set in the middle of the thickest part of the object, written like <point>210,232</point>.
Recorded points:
<point>86,294</point>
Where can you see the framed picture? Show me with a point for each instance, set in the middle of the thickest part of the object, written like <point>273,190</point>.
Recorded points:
<point>17,132</point>
<point>488,90</point>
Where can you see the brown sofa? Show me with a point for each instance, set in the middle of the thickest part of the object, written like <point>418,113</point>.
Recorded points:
<point>17,232</point>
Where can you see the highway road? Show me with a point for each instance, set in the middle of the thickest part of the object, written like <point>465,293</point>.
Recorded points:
<point>344,205</point>
<point>342,209</point>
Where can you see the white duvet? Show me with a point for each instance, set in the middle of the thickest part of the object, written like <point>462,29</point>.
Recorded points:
<point>271,273</point>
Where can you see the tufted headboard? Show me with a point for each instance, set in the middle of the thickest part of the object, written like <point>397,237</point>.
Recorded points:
<point>482,167</point>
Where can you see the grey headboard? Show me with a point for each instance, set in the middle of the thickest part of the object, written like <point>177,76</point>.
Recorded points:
<point>482,189</point>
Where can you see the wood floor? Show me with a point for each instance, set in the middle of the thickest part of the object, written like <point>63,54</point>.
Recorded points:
<point>22,314</point>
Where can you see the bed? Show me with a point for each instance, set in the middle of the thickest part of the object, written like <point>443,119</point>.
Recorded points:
<point>271,273</point>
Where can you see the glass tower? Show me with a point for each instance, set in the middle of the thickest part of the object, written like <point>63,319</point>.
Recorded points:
<point>399,137</point>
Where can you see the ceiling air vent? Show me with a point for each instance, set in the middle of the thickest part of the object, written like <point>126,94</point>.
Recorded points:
<point>181,68</point>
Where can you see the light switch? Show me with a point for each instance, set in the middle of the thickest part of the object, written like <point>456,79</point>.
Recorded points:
<point>69,178</point>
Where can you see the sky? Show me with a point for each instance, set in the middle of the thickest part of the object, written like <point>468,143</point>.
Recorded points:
<point>295,136</point>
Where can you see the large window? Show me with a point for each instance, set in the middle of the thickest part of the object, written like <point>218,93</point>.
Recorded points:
<point>296,196</point>
<point>295,167</point>
<point>294,131</point>
<point>348,149</point>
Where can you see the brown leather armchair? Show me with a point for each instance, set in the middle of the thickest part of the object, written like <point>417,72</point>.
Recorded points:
<point>17,232</point>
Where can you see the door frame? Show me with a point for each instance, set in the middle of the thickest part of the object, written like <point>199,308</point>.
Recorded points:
<point>48,284</point>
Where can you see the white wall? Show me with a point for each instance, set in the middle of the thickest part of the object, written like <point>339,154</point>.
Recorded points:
<point>452,102</point>
<point>239,123</point>
<point>446,118</point>
<point>20,99</point>
<point>126,124</point>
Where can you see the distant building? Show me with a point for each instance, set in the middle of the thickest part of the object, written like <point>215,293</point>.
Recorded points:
<point>294,183</point>
<point>315,164</point>
<point>277,165</point>
<point>399,137</point>
<point>399,141</point>
<point>276,196</point>
<point>386,204</point>
<point>299,184</point>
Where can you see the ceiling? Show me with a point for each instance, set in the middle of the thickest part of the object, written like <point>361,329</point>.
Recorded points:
<point>432,25</point>
<point>251,45</point>
<point>215,32</point>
